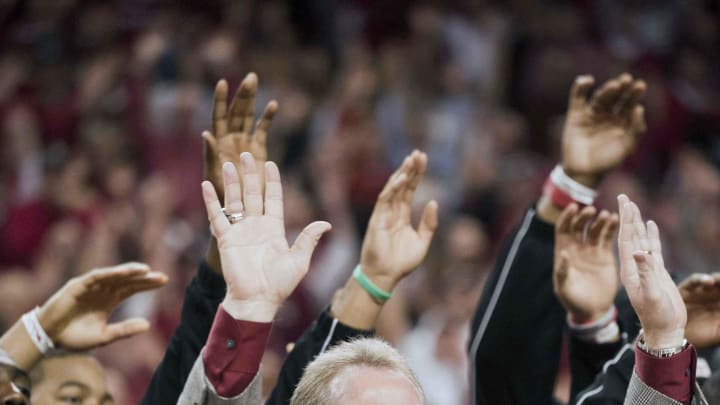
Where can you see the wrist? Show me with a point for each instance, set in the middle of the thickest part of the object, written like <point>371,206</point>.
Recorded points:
<point>601,329</point>
<point>663,340</point>
<point>50,321</point>
<point>354,307</point>
<point>379,277</point>
<point>586,179</point>
<point>250,310</point>
<point>562,189</point>
<point>587,317</point>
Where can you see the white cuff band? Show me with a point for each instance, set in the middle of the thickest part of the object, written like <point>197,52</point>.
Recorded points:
<point>604,330</point>
<point>36,332</point>
<point>580,193</point>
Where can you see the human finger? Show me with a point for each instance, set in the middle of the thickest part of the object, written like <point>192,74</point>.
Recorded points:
<point>428,222</point>
<point>243,104</point>
<point>580,221</point>
<point>306,242</point>
<point>604,98</point>
<point>263,124</point>
<point>595,229</point>
<point>563,225</point>
<point>233,188</point>
<point>609,230</point>
<point>273,191</point>
<point>219,114</point>
<point>580,90</point>
<point>125,329</point>
<point>218,222</point>
<point>252,190</point>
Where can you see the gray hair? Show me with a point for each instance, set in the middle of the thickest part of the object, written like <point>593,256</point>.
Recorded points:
<point>318,385</point>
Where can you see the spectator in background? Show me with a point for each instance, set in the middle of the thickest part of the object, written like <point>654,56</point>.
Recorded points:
<point>118,93</point>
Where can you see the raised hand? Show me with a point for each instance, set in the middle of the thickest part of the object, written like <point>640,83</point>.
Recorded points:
<point>652,292</point>
<point>701,294</point>
<point>392,248</point>
<point>602,130</point>
<point>585,277</point>
<point>233,129</point>
<point>259,267</point>
<point>76,316</point>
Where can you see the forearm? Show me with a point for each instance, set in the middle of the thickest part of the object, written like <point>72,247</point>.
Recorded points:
<point>20,348</point>
<point>587,360</point>
<point>202,298</point>
<point>517,328</point>
<point>23,348</point>
<point>233,352</point>
<point>547,211</point>
<point>354,307</point>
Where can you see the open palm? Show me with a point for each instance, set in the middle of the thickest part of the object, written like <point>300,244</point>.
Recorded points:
<point>651,290</point>
<point>701,294</point>
<point>77,315</point>
<point>234,130</point>
<point>600,132</point>
<point>585,276</point>
<point>260,268</point>
<point>392,248</point>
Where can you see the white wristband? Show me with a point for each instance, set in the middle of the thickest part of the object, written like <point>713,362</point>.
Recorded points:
<point>580,193</point>
<point>36,332</point>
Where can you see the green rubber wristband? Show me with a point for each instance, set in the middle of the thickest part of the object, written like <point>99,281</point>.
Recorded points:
<point>370,287</point>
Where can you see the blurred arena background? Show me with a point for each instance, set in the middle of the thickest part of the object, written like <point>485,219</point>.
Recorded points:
<point>103,103</point>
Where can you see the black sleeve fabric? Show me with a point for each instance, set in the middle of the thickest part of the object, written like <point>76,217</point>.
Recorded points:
<point>611,383</point>
<point>517,328</point>
<point>324,333</point>
<point>587,360</point>
<point>202,298</point>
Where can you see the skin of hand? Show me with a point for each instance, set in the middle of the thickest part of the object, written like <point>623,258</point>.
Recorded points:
<point>585,277</point>
<point>600,131</point>
<point>653,294</point>
<point>259,267</point>
<point>76,316</point>
<point>392,248</point>
<point>234,132</point>
<point>701,294</point>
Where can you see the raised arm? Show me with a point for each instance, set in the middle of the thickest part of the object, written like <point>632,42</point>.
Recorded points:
<point>585,279</point>
<point>516,332</point>
<point>391,250</point>
<point>232,134</point>
<point>261,270</point>
<point>76,317</point>
<point>701,294</point>
<point>664,362</point>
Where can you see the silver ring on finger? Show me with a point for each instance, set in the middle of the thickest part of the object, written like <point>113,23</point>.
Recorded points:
<point>233,218</point>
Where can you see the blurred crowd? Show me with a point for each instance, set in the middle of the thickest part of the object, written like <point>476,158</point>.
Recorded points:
<point>103,104</point>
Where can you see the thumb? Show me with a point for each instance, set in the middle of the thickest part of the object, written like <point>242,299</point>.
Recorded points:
<point>428,222</point>
<point>645,272</point>
<point>642,261</point>
<point>125,329</point>
<point>561,270</point>
<point>305,243</point>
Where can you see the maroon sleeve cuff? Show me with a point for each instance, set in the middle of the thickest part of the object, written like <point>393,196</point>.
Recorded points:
<point>233,352</point>
<point>674,376</point>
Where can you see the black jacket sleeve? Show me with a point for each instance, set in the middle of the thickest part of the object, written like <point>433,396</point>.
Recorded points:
<point>611,383</point>
<point>202,298</point>
<point>588,359</point>
<point>517,328</point>
<point>324,333</point>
